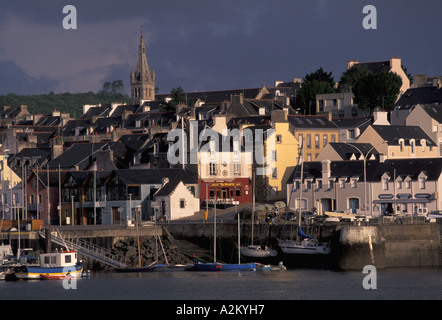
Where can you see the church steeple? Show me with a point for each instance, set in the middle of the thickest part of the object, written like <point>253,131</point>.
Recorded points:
<point>142,81</point>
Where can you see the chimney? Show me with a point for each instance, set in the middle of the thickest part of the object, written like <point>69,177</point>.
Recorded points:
<point>395,63</point>
<point>351,63</point>
<point>278,116</point>
<point>325,170</point>
<point>380,118</point>
<point>56,147</point>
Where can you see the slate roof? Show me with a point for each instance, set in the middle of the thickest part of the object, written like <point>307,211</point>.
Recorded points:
<point>346,150</point>
<point>135,141</point>
<point>375,169</point>
<point>434,111</point>
<point>392,134</point>
<point>39,154</point>
<point>354,122</point>
<point>378,66</point>
<point>421,95</point>
<point>155,176</point>
<point>102,111</point>
<point>82,154</point>
<point>307,122</point>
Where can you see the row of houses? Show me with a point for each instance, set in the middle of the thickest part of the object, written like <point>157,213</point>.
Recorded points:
<point>119,162</point>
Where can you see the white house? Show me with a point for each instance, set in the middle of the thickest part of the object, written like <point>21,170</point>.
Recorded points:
<point>174,201</point>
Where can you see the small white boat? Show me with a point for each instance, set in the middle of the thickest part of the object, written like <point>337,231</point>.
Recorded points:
<point>257,251</point>
<point>305,246</point>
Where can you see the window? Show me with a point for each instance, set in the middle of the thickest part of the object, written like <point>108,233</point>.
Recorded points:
<point>333,138</point>
<point>301,140</point>
<point>238,192</point>
<point>351,133</point>
<point>212,169</point>
<point>316,141</point>
<point>408,184</point>
<point>399,184</point>
<point>342,183</point>
<point>412,144</point>
<point>324,140</point>
<point>385,184</point>
<point>330,184</point>
<point>275,173</point>
<point>278,138</point>
<point>354,183</point>
<point>274,155</point>
<point>211,193</point>
<point>309,184</point>
<point>422,183</point>
<point>309,140</point>
<point>67,259</point>
<point>297,183</point>
<point>182,204</point>
<point>309,157</point>
<point>237,169</point>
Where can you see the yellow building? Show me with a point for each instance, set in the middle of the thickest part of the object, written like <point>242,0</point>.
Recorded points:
<point>283,134</point>
<point>8,176</point>
<point>281,150</point>
<point>313,133</point>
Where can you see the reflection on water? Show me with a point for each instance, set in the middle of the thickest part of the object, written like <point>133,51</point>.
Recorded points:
<point>292,284</point>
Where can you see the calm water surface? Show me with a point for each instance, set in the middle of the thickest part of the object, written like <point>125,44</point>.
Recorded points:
<point>294,284</point>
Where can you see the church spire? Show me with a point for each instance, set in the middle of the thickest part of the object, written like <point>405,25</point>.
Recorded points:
<point>142,81</point>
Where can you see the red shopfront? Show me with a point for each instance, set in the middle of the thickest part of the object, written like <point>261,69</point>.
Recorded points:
<point>226,191</point>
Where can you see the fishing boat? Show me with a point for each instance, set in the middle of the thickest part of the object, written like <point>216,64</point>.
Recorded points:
<point>52,277</point>
<point>56,264</point>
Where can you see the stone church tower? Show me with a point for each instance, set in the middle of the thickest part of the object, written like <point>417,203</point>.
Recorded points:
<point>142,82</point>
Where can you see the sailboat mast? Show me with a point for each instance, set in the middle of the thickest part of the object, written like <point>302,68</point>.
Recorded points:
<point>253,203</point>
<point>214,230</point>
<point>239,242</point>
<point>300,190</point>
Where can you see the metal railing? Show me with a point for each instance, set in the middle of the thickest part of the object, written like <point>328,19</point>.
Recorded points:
<point>87,248</point>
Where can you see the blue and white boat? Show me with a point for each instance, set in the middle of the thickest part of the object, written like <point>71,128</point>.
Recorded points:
<point>57,264</point>
<point>216,266</point>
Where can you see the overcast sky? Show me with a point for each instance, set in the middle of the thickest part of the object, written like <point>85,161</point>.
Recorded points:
<point>205,45</point>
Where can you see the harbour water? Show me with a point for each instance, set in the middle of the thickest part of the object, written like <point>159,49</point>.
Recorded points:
<point>292,284</point>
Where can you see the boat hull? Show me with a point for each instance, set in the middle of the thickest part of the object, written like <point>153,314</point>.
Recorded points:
<point>31,272</point>
<point>292,247</point>
<point>256,252</point>
<point>224,267</point>
<point>134,269</point>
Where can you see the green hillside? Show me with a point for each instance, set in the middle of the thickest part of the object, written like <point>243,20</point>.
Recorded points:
<point>65,102</point>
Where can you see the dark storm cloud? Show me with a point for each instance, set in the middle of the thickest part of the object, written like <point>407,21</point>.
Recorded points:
<point>213,45</point>
<point>15,80</point>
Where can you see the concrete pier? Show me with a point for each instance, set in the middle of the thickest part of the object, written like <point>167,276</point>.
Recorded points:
<point>353,246</point>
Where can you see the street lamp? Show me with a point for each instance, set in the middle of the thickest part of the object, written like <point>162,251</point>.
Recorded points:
<point>365,170</point>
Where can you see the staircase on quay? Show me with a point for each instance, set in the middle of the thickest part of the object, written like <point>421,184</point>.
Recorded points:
<point>86,248</point>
